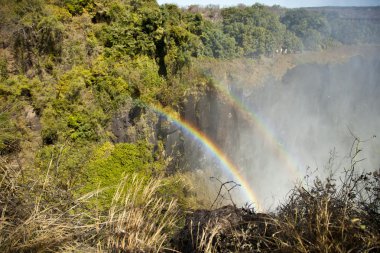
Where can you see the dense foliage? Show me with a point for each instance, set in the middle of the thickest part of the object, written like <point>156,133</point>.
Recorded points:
<point>252,31</point>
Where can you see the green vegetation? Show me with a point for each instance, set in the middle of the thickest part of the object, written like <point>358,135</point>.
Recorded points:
<point>8,138</point>
<point>110,162</point>
<point>311,27</point>
<point>75,72</point>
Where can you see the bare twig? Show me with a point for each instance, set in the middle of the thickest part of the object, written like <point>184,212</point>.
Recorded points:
<point>224,185</point>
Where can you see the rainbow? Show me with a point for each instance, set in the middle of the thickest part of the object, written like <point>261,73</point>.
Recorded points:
<point>266,132</point>
<point>252,117</point>
<point>215,151</point>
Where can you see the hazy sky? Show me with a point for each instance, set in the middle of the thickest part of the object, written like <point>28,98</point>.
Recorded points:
<point>285,3</point>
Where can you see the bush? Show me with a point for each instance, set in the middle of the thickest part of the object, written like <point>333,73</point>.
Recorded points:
<point>76,7</point>
<point>325,216</point>
<point>9,137</point>
<point>110,162</point>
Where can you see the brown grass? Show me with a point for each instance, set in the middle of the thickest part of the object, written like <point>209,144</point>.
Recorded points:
<point>33,220</point>
<point>321,218</point>
<point>329,215</point>
<point>326,216</point>
<point>138,221</point>
<point>28,223</point>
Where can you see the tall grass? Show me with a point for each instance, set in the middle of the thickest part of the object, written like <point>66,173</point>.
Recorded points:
<point>26,223</point>
<point>138,220</point>
<point>324,216</point>
<point>336,214</point>
<point>32,220</point>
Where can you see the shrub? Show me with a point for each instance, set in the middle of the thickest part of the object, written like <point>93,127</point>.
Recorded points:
<point>325,216</point>
<point>76,7</point>
<point>9,137</point>
<point>110,162</point>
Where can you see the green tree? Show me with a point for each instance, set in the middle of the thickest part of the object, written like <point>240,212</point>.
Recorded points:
<point>76,7</point>
<point>256,30</point>
<point>310,27</point>
<point>216,43</point>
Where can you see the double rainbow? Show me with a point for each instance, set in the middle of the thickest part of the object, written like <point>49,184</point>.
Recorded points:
<point>224,161</point>
<point>266,132</point>
<point>256,121</point>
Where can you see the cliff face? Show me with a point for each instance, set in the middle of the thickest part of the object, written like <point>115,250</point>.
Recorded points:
<point>218,119</point>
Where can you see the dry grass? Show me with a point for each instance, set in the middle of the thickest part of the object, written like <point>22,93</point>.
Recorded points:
<point>326,216</point>
<point>324,219</point>
<point>138,221</point>
<point>321,218</point>
<point>331,215</point>
<point>28,223</point>
<point>205,239</point>
<point>35,217</point>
